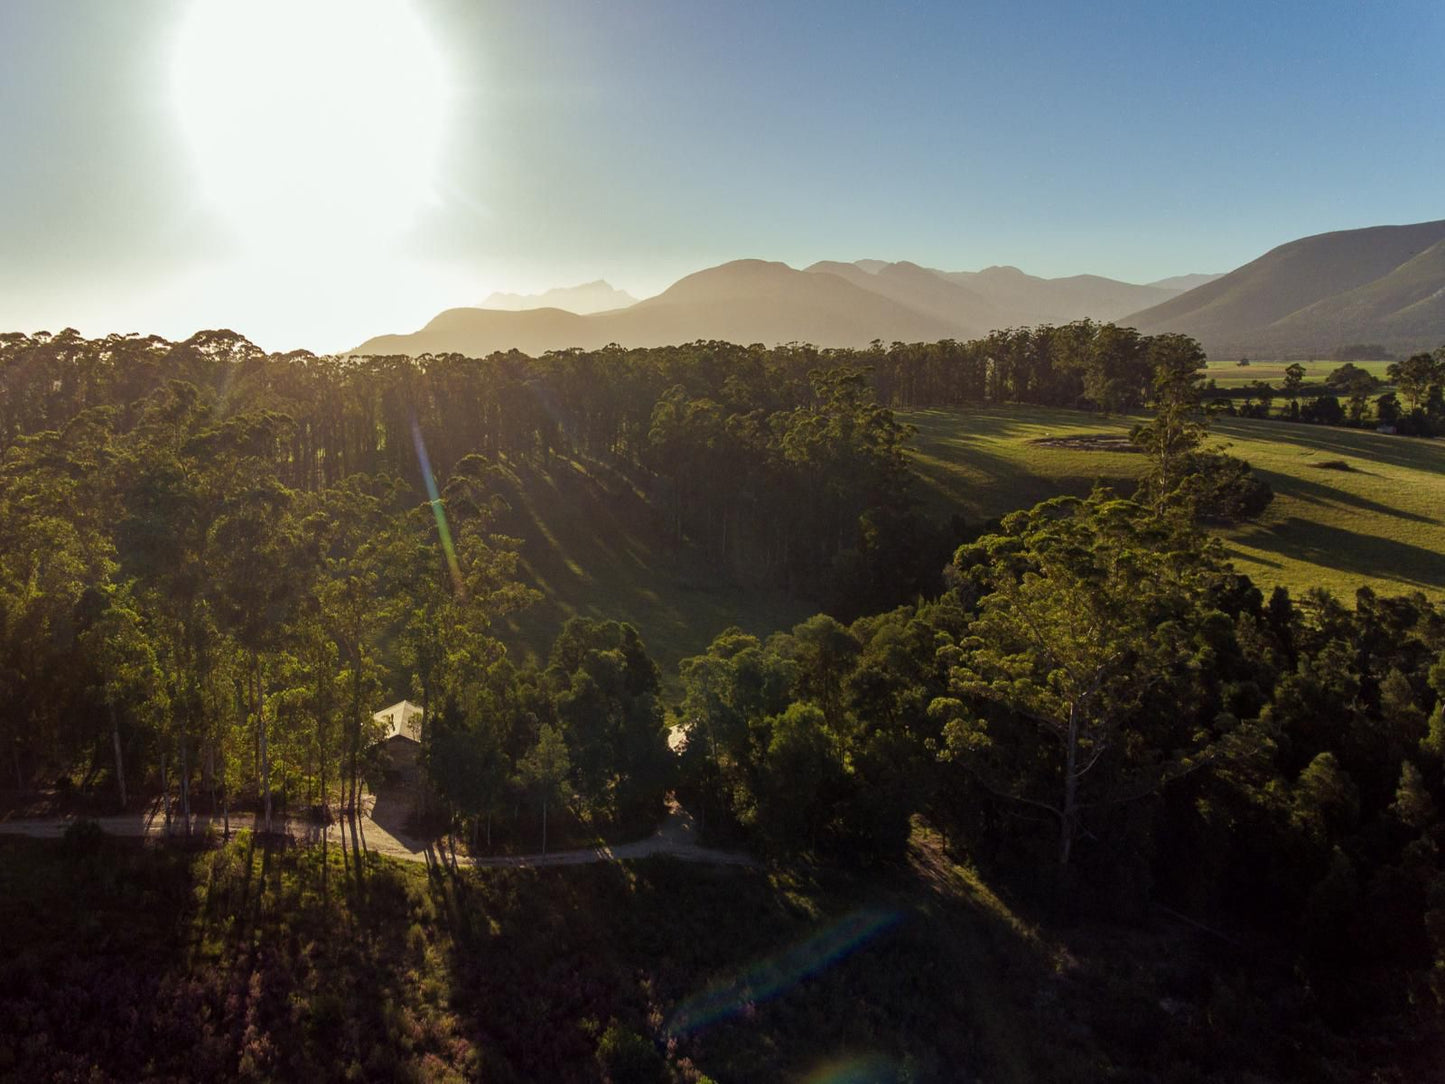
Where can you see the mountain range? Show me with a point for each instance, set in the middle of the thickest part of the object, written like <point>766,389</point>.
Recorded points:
<point>1383,284</point>
<point>827,304</point>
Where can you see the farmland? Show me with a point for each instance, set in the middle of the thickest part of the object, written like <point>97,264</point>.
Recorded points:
<point>1230,374</point>
<point>1375,523</point>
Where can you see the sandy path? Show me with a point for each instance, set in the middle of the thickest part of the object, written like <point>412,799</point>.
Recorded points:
<point>675,837</point>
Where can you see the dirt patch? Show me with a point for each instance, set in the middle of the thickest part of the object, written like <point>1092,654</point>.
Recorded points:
<point>1089,442</point>
<point>1333,464</point>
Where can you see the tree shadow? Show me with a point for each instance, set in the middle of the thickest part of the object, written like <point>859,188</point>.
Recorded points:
<point>1415,453</point>
<point>1348,551</point>
<point>1321,493</point>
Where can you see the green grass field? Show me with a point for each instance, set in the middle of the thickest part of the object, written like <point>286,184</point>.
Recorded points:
<point>1381,523</point>
<point>1230,374</point>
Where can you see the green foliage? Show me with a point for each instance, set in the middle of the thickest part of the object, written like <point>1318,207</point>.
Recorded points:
<point>605,691</point>
<point>627,1058</point>
<point>1087,618</point>
<point>1224,487</point>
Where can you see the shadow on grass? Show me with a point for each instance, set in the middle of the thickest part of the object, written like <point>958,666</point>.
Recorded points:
<point>1411,452</point>
<point>1322,493</point>
<point>1348,551</point>
<point>1004,484</point>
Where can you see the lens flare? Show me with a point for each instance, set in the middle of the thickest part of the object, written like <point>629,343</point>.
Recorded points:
<point>438,510</point>
<point>867,1069</point>
<point>768,978</point>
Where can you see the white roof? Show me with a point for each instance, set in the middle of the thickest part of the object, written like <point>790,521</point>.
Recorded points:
<point>402,719</point>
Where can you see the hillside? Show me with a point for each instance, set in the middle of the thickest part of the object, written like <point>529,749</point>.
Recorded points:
<point>1309,296</point>
<point>1405,306</point>
<point>1180,283</point>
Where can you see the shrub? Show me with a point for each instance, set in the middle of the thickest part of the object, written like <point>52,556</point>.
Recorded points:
<point>627,1058</point>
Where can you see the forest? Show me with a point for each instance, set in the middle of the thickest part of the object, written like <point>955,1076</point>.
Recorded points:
<point>216,563</point>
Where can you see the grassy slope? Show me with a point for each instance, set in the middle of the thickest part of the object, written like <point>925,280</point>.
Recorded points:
<point>127,962</point>
<point>1379,524</point>
<point>594,548</point>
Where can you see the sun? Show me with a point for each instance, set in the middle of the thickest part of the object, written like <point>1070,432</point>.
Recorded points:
<point>313,124</point>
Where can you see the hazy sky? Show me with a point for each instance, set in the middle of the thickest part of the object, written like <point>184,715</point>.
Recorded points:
<point>640,141</point>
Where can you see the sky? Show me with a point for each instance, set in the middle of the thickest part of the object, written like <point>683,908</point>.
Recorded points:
<point>313,172</point>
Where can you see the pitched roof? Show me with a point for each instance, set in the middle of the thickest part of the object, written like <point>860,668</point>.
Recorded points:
<point>402,719</point>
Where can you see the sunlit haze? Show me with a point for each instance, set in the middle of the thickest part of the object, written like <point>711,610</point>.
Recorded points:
<point>315,172</point>
<point>312,126</point>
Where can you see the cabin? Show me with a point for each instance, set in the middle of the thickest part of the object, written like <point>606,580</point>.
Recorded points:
<point>401,737</point>
<point>402,792</point>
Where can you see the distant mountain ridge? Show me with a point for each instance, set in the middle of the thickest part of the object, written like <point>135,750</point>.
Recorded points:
<point>744,301</point>
<point>1381,284</point>
<point>589,297</point>
<point>747,301</point>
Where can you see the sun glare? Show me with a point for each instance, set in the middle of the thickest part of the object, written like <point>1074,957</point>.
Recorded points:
<point>313,123</point>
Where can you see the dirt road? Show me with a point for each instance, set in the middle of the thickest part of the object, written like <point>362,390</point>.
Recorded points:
<point>676,837</point>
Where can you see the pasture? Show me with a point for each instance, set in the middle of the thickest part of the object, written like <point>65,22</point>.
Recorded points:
<point>1230,374</point>
<point>1379,523</point>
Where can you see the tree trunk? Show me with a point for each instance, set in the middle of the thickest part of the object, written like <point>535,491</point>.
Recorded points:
<point>261,734</point>
<point>354,783</point>
<point>1068,810</point>
<point>544,824</point>
<point>211,770</point>
<point>119,761</point>
<point>165,792</point>
<point>186,782</point>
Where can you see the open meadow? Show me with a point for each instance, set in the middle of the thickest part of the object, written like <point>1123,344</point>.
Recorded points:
<point>1228,373</point>
<point>1377,521</point>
